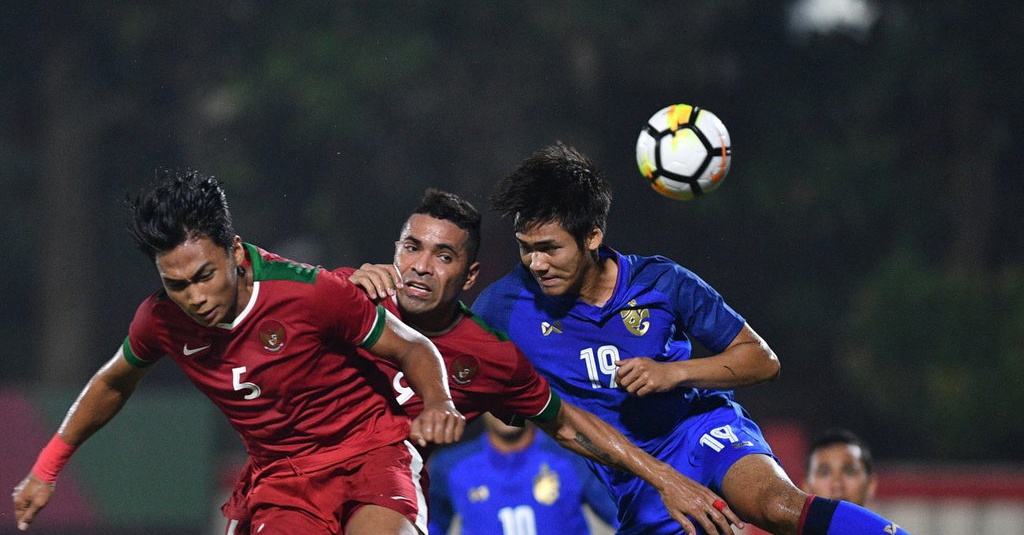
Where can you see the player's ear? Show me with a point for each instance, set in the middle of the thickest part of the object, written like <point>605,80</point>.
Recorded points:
<point>237,251</point>
<point>471,274</point>
<point>594,239</point>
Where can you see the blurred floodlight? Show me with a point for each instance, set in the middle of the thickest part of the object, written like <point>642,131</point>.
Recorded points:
<point>827,16</point>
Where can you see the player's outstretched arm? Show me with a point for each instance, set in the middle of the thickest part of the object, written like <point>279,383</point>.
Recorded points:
<point>584,433</point>
<point>440,422</point>
<point>101,399</point>
<point>747,360</point>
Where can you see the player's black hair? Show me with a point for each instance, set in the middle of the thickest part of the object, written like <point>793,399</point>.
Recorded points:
<point>450,207</point>
<point>832,437</point>
<point>179,206</point>
<point>556,184</point>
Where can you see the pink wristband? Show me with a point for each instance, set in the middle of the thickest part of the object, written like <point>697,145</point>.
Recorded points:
<point>52,459</point>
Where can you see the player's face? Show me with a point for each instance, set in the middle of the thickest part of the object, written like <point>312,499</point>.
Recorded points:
<point>556,261</point>
<point>432,258</point>
<point>201,278</point>
<point>837,472</point>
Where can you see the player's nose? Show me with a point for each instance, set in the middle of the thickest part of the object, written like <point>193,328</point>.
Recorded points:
<point>538,262</point>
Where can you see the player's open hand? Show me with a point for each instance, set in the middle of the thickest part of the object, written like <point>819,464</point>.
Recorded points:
<point>377,280</point>
<point>641,376</point>
<point>690,502</point>
<point>31,495</point>
<point>439,423</point>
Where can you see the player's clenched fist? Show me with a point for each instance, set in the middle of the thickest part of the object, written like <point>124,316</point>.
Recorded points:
<point>31,495</point>
<point>439,423</point>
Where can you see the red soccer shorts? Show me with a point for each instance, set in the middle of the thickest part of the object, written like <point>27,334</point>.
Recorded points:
<point>285,500</point>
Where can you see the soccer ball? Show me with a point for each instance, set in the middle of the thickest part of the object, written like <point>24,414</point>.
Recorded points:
<point>684,151</point>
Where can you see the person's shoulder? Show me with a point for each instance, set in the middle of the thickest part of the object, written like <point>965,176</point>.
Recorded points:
<point>472,325</point>
<point>640,262</point>
<point>655,268</point>
<point>500,292</point>
<point>503,285</point>
<point>267,266</point>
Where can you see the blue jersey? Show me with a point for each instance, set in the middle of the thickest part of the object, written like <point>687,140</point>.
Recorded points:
<point>539,490</point>
<point>657,308</point>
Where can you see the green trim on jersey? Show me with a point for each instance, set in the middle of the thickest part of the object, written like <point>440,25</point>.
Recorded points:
<point>263,269</point>
<point>129,355</point>
<point>550,412</point>
<point>378,328</point>
<point>480,321</point>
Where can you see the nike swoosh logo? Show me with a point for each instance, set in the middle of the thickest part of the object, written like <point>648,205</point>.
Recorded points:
<point>189,352</point>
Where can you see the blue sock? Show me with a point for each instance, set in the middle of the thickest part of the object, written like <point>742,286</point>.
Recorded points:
<point>833,517</point>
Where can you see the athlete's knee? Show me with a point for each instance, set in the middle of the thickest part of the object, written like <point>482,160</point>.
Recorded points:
<point>763,495</point>
<point>780,511</point>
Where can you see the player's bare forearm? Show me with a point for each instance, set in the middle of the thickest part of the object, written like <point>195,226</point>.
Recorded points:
<point>439,422</point>
<point>746,361</point>
<point>587,435</point>
<point>582,433</point>
<point>417,357</point>
<point>101,399</point>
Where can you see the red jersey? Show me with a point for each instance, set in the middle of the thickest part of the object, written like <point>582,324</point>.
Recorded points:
<point>286,372</point>
<point>486,372</point>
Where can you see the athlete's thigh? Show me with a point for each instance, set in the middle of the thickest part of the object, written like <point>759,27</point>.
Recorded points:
<point>287,521</point>
<point>389,479</point>
<point>718,439</point>
<point>376,520</point>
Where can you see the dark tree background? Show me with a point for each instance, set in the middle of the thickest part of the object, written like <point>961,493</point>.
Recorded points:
<point>869,228</point>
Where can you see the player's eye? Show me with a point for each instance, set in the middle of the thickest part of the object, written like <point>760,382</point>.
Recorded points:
<point>175,286</point>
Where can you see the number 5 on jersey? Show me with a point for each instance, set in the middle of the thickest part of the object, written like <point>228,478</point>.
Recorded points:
<point>237,384</point>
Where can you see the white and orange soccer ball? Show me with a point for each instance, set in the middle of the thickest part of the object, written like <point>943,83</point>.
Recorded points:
<point>684,151</point>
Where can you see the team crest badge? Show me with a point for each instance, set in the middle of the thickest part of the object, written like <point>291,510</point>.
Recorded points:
<point>479,494</point>
<point>272,336</point>
<point>636,320</point>
<point>546,485</point>
<point>463,369</point>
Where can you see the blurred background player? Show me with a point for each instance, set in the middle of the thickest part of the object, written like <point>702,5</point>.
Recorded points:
<point>612,333</point>
<point>839,467</point>
<point>272,343</point>
<point>512,480</point>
